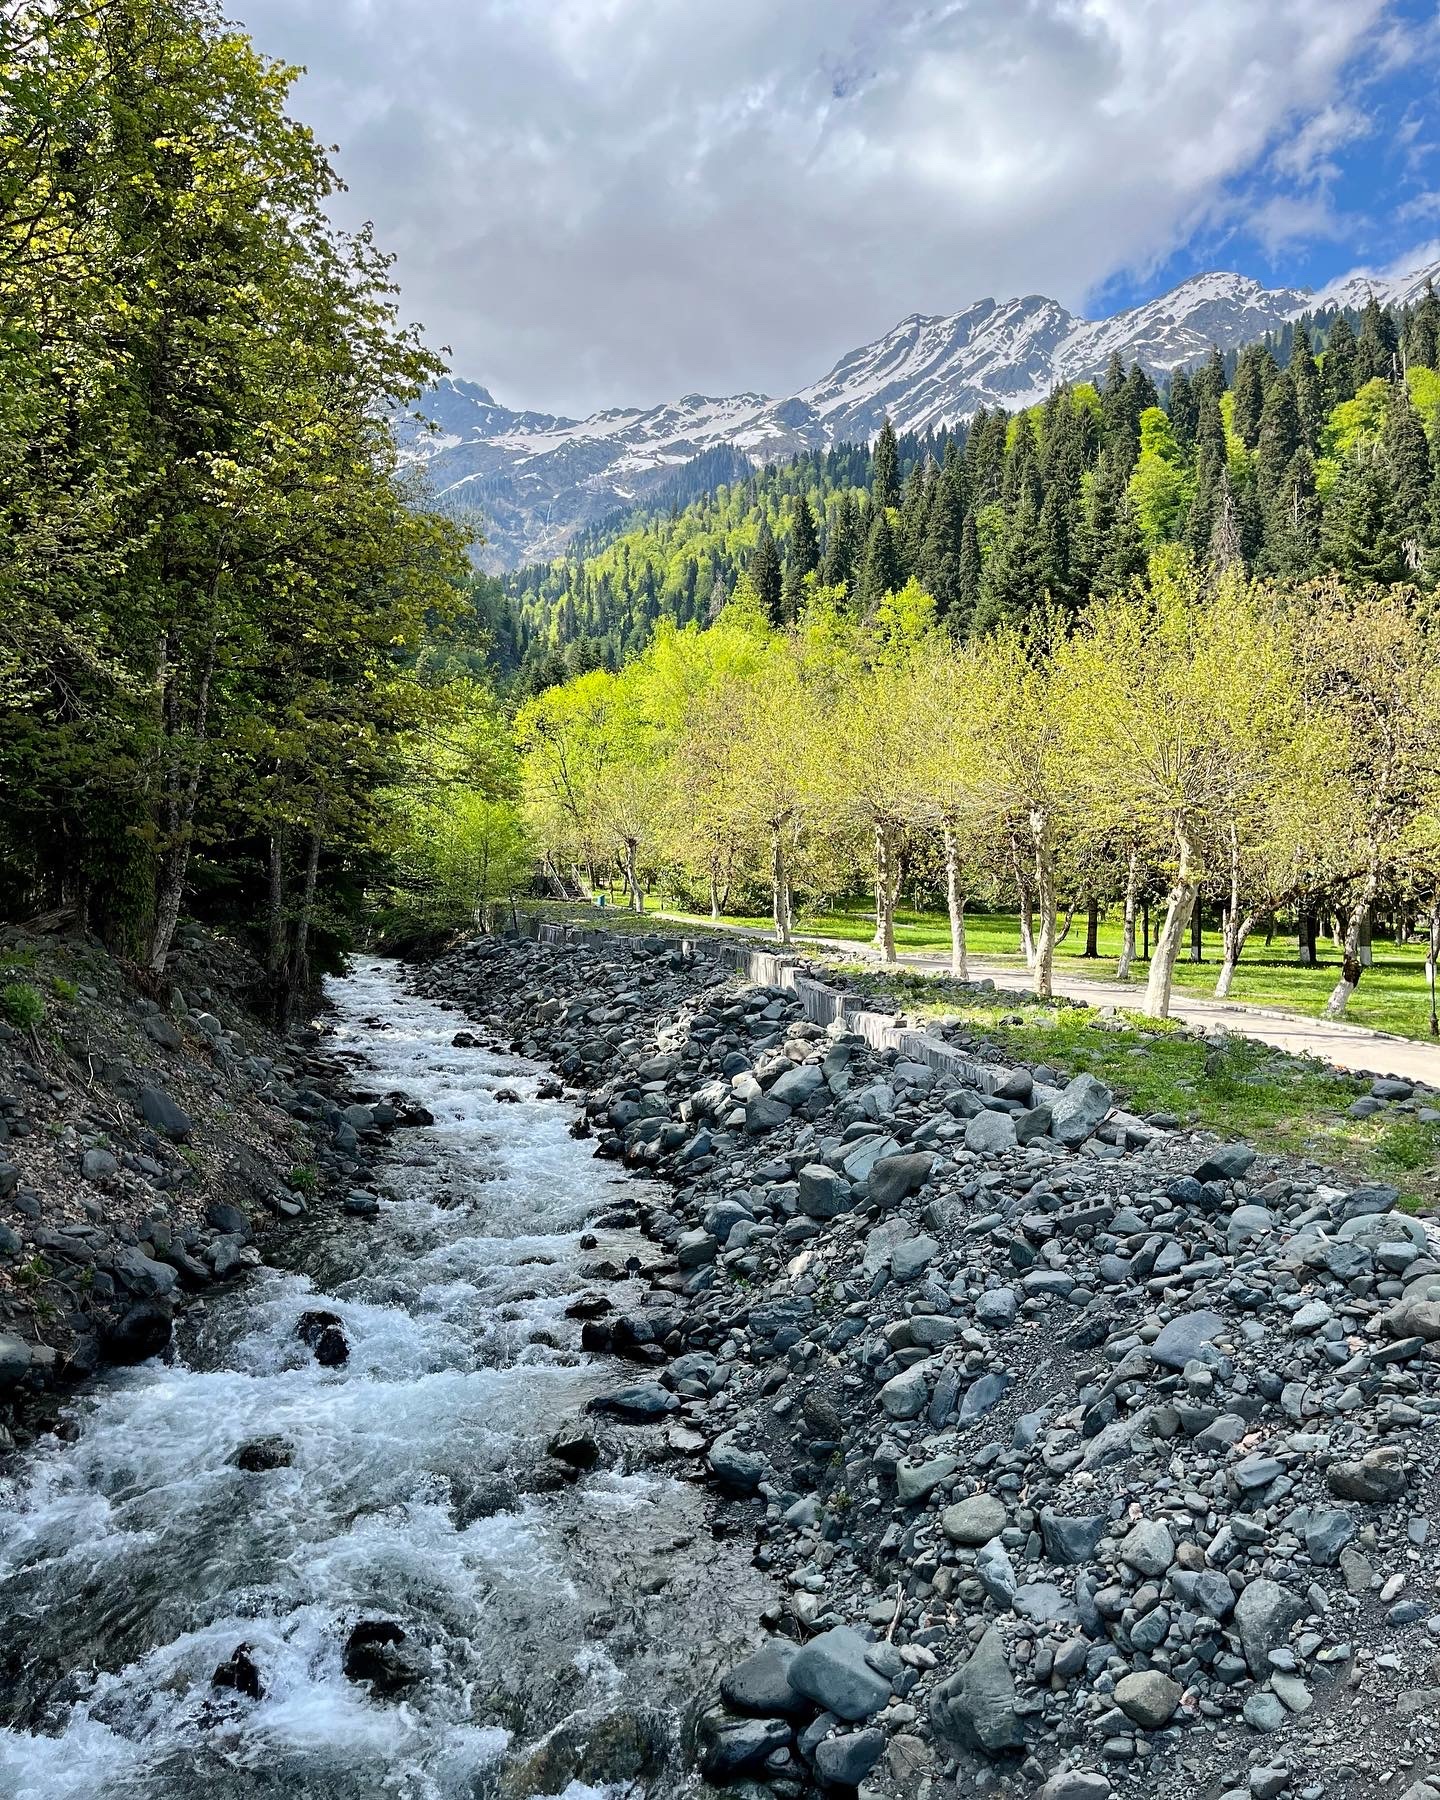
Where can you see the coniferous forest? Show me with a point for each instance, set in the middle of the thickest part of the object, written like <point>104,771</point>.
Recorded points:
<point>1308,452</point>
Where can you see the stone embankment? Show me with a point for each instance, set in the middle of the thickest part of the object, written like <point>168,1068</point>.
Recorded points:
<point>152,1138</point>
<point>1089,1455</point>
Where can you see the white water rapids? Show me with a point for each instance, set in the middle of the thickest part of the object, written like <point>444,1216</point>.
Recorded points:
<point>136,1557</point>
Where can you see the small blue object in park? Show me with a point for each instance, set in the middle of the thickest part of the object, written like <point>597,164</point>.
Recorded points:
<point>600,901</point>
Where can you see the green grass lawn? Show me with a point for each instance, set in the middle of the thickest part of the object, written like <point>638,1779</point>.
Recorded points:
<point>1392,995</point>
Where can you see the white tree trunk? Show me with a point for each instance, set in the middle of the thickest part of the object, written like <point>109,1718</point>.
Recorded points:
<point>1132,885</point>
<point>1172,932</point>
<point>1350,963</point>
<point>779,884</point>
<point>886,888</point>
<point>1045,899</point>
<point>955,902</point>
<point>1432,964</point>
<point>632,877</point>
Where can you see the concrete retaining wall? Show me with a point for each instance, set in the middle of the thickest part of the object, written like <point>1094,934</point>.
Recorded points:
<point>823,1005</point>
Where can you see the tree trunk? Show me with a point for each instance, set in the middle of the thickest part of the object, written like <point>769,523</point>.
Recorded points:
<point>298,985</point>
<point>1351,967</point>
<point>1197,937</point>
<point>180,823</point>
<point>1132,882</point>
<point>1305,935</point>
<point>1027,922</point>
<point>887,886</point>
<point>1367,949</point>
<point>779,883</point>
<point>1234,930</point>
<point>1172,932</point>
<point>715,889</point>
<point>275,902</point>
<point>1432,964</point>
<point>1045,897</point>
<point>632,878</point>
<point>1091,952</point>
<point>1145,912</point>
<point>955,903</point>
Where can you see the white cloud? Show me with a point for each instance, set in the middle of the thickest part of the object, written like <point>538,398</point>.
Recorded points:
<point>611,201</point>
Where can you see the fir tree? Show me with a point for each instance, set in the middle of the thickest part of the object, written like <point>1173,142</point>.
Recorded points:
<point>765,573</point>
<point>1279,436</point>
<point>1292,525</point>
<point>1309,394</point>
<point>1422,333</point>
<point>881,573</point>
<point>1377,344</point>
<point>885,469</point>
<point>1359,537</point>
<point>1013,585</point>
<point>1406,450</point>
<point>967,600</point>
<point>1253,376</point>
<point>804,539</point>
<point>939,567</point>
<point>1339,372</point>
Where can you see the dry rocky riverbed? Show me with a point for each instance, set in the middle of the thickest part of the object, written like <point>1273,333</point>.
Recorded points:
<point>1089,1455</point>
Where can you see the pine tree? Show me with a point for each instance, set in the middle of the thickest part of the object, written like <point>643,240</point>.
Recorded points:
<point>804,539</point>
<point>1253,377</point>
<point>1378,341</point>
<point>1406,450</point>
<point>1013,585</point>
<point>915,515</point>
<point>885,469</point>
<point>1022,466</point>
<point>1225,550</point>
<point>967,600</point>
<point>1292,524</point>
<point>1304,373</point>
<point>1123,558</point>
<point>837,565</point>
<point>1053,564</point>
<point>1210,383</point>
<point>765,573</point>
<point>939,567</point>
<point>1358,536</point>
<point>1340,369</point>
<point>1279,436</point>
<point>1422,336</point>
<point>881,573</point>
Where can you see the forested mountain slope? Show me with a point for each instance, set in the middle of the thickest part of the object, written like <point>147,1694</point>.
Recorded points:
<point>1311,450</point>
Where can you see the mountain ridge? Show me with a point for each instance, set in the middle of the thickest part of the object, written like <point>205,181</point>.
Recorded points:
<point>538,478</point>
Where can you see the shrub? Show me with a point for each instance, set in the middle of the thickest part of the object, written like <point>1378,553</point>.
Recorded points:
<point>22,1005</point>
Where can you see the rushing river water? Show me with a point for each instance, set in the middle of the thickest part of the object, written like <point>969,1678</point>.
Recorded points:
<point>567,1633</point>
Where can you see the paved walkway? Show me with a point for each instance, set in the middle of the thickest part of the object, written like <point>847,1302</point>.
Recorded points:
<point>1357,1048</point>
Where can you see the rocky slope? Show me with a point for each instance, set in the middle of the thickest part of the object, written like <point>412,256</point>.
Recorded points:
<point>1092,1457</point>
<point>536,478</point>
<point>150,1135</point>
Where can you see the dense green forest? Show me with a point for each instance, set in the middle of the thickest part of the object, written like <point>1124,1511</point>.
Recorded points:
<point>215,595</point>
<point>1308,452</point>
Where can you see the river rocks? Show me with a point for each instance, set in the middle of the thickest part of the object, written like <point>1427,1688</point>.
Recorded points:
<point>138,1332</point>
<point>731,1746</point>
<point>1377,1475</point>
<point>975,1708</point>
<point>379,1653</point>
<point>891,1178</point>
<point>905,1394</point>
<point>847,1758</point>
<point>15,1359</point>
<point>239,1674</point>
<point>161,1112</point>
<point>833,1671</point>
<point>1184,1338</point>
<point>974,1521</point>
<point>1058,1416</point>
<point>643,1401</point>
<point>990,1133</point>
<point>761,1683</point>
<point>323,1333</point>
<point>261,1455</point>
<point>795,1086</point>
<point>1227,1163</point>
<point>1147,1697</point>
<point>1264,1614</point>
<point>734,1466</point>
<point>1079,1109</point>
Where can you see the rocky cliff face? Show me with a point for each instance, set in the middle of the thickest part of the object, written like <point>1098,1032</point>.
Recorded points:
<point>538,478</point>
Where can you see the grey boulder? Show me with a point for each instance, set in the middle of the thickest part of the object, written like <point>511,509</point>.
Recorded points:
<point>975,1708</point>
<point>832,1671</point>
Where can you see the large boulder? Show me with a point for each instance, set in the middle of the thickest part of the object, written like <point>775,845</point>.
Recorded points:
<point>990,1133</point>
<point>761,1683</point>
<point>1264,1614</point>
<point>975,1708</point>
<point>162,1114</point>
<point>796,1086</point>
<point>893,1177</point>
<point>832,1670</point>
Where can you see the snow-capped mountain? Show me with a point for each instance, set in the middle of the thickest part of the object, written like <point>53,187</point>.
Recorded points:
<point>536,478</point>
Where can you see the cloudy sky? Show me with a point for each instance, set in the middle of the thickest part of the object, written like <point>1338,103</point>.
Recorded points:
<point>612,202</point>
